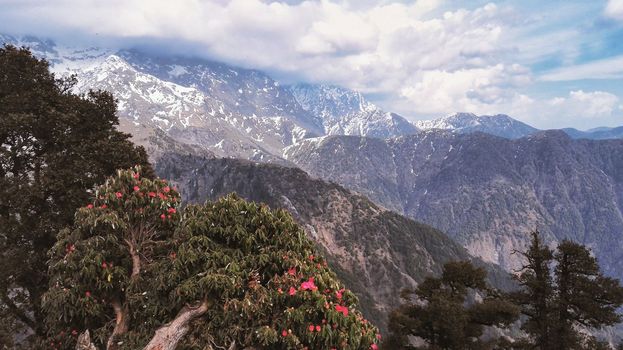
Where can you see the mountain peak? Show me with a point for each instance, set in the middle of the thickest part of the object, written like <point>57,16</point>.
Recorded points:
<point>347,112</point>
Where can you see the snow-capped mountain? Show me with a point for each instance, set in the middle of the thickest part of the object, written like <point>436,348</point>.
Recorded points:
<point>230,111</point>
<point>499,125</point>
<point>347,112</point>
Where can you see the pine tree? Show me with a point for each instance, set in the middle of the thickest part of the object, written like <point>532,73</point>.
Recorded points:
<point>442,315</point>
<point>139,272</point>
<point>55,146</point>
<point>562,291</point>
<point>536,295</point>
<point>584,297</point>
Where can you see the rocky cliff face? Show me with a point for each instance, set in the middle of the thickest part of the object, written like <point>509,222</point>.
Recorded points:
<point>347,112</point>
<point>375,251</point>
<point>487,192</point>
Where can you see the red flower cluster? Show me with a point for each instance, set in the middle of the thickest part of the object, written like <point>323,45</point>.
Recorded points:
<point>342,309</point>
<point>317,328</point>
<point>309,285</point>
<point>70,248</point>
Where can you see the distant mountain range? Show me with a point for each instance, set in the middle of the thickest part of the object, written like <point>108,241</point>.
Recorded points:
<point>242,113</point>
<point>487,192</point>
<point>602,133</point>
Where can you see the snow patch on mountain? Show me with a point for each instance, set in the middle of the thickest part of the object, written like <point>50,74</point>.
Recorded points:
<point>347,112</point>
<point>499,125</point>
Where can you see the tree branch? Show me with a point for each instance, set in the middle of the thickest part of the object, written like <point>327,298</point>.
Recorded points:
<point>168,336</point>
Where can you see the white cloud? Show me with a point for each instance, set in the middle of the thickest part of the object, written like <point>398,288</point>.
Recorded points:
<point>580,104</point>
<point>614,9</point>
<point>478,90</point>
<point>429,62</point>
<point>390,47</point>
<point>580,109</point>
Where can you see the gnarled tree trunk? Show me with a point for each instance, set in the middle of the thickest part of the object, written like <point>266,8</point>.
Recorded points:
<point>167,336</point>
<point>121,324</point>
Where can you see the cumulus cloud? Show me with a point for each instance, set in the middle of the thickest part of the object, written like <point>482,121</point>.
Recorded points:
<point>371,47</point>
<point>581,109</point>
<point>478,90</point>
<point>596,104</point>
<point>422,60</point>
<point>614,9</point>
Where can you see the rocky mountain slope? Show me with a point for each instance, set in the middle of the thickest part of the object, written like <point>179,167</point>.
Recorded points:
<point>375,251</point>
<point>486,192</point>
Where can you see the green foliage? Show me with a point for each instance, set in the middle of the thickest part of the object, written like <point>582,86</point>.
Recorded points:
<point>92,265</point>
<point>442,316</point>
<point>263,280</point>
<point>563,290</point>
<point>55,146</point>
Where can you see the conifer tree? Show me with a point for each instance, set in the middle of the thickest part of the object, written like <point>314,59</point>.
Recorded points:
<point>442,316</point>
<point>139,272</point>
<point>536,295</point>
<point>55,146</point>
<point>585,297</point>
<point>564,290</point>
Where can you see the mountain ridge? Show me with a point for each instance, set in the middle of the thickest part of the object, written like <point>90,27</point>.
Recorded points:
<point>486,191</point>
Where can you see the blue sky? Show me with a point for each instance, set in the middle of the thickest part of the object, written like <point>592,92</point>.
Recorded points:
<point>552,64</point>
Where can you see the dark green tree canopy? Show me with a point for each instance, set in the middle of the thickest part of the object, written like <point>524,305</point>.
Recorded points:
<point>55,146</point>
<point>443,316</point>
<point>563,290</point>
<point>138,271</point>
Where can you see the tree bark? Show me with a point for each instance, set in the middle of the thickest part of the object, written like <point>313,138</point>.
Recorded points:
<point>121,325</point>
<point>168,336</point>
<point>136,260</point>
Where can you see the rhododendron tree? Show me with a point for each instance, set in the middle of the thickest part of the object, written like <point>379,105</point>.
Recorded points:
<point>138,271</point>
